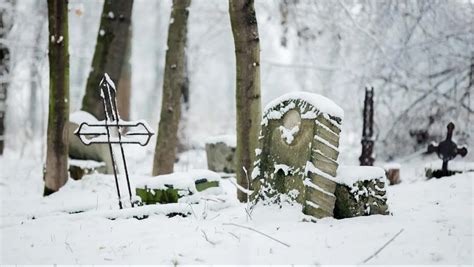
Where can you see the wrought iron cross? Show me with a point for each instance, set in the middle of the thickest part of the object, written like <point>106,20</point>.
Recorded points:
<point>447,149</point>
<point>367,156</point>
<point>111,131</point>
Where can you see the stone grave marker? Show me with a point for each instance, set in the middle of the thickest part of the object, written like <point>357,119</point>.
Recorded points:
<point>298,152</point>
<point>220,152</point>
<point>360,191</point>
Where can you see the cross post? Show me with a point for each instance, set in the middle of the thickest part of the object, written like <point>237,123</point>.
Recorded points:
<point>111,131</point>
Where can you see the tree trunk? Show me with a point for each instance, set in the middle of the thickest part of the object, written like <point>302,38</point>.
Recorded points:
<point>247,53</point>
<point>5,26</point>
<point>125,82</point>
<point>109,52</point>
<point>174,78</point>
<point>56,171</point>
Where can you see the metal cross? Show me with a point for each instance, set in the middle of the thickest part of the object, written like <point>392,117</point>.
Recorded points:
<point>447,149</point>
<point>111,131</point>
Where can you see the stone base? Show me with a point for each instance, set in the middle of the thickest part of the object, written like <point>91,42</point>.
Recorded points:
<point>79,168</point>
<point>433,169</point>
<point>220,156</point>
<point>362,199</point>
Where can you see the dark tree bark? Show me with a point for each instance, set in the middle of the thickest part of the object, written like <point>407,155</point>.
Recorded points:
<point>247,53</point>
<point>5,26</point>
<point>56,170</point>
<point>124,91</point>
<point>174,79</point>
<point>110,52</point>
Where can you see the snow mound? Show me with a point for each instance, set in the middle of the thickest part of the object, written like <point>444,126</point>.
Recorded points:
<point>81,116</point>
<point>322,103</point>
<point>349,175</point>
<point>228,139</point>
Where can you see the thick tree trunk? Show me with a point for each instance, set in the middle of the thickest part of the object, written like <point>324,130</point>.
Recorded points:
<point>56,171</point>
<point>247,53</point>
<point>110,51</point>
<point>125,82</point>
<point>174,79</point>
<point>6,16</point>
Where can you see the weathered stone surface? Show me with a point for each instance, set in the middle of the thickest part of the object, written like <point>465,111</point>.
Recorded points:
<point>77,150</point>
<point>79,168</point>
<point>298,153</point>
<point>392,171</point>
<point>364,197</point>
<point>221,154</point>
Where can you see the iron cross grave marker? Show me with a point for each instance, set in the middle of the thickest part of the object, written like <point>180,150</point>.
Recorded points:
<point>113,130</point>
<point>447,149</point>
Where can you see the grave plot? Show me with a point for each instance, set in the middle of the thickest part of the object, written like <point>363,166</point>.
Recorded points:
<point>178,187</point>
<point>298,152</point>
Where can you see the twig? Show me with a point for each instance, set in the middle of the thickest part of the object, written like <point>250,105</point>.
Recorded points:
<point>207,239</point>
<point>251,229</point>
<point>380,249</point>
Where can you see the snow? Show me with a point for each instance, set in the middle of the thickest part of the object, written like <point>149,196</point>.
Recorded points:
<point>349,175</point>
<point>81,116</point>
<point>323,104</point>
<point>433,231</point>
<point>289,134</point>
<point>86,164</point>
<point>228,139</point>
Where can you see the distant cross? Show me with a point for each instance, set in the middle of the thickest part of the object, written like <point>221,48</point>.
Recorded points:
<point>111,131</point>
<point>447,149</point>
<point>367,156</point>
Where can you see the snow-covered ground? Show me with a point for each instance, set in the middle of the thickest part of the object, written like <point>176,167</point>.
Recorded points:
<point>434,217</point>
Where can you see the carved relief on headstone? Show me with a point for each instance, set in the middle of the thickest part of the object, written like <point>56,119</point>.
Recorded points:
<point>298,152</point>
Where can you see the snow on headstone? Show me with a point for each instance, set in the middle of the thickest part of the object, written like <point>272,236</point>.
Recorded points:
<point>360,191</point>
<point>298,152</point>
<point>220,152</point>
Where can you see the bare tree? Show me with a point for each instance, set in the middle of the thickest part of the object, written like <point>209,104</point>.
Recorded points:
<point>247,54</point>
<point>125,82</point>
<point>56,170</point>
<point>110,51</point>
<point>6,19</point>
<point>174,80</point>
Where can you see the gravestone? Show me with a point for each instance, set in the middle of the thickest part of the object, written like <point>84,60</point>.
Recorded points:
<point>220,152</point>
<point>298,151</point>
<point>360,191</point>
<point>80,151</point>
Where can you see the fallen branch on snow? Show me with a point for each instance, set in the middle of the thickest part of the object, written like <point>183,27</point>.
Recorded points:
<point>251,229</point>
<point>380,249</point>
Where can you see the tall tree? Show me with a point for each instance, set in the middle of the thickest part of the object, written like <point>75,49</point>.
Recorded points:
<point>174,80</point>
<point>247,53</point>
<point>125,82</point>
<point>110,51</point>
<point>6,11</point>
<point>56,171</point>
